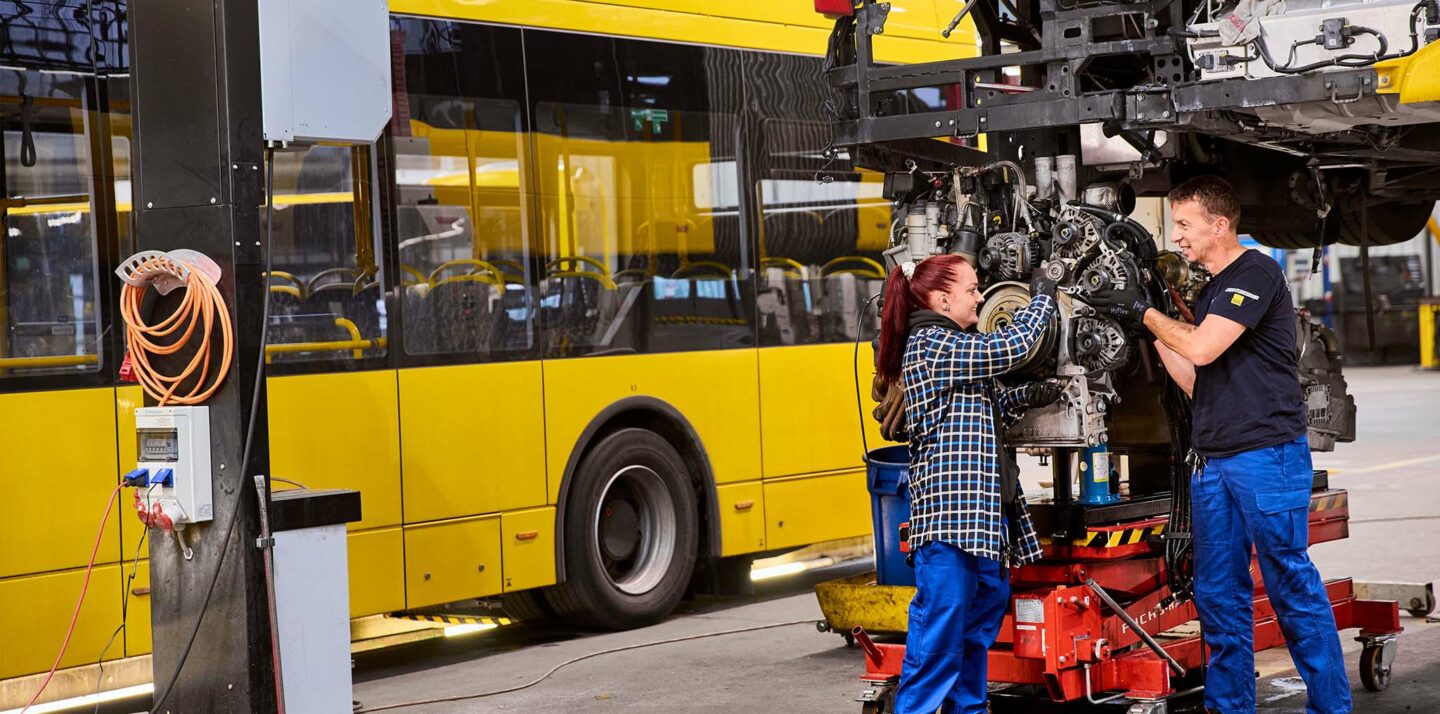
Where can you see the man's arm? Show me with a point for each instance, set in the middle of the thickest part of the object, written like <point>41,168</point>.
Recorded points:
<point>1198,344</point>
<point>1181,370</point>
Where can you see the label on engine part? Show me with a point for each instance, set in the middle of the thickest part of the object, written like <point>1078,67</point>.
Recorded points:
<point>1027,610</point>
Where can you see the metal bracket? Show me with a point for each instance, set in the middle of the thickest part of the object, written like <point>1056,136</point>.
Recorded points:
<point>877,21</point>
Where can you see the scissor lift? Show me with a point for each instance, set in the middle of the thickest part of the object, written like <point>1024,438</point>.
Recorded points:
<point>1094,621</point>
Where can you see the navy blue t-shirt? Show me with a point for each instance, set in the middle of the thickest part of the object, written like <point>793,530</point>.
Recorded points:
<point>1249,397</point>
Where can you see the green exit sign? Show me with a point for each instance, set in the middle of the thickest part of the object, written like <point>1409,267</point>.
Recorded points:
<point>656,118</point>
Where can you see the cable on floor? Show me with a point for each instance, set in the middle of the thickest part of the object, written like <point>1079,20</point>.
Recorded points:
<point>582,658</point>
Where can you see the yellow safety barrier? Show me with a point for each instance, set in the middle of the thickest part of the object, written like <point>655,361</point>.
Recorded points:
<point>1429,325</point>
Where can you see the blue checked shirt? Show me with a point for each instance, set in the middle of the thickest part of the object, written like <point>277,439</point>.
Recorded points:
<point>949,376</point>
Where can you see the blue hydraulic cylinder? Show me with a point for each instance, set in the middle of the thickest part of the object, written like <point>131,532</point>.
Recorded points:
<point>1095,473</point>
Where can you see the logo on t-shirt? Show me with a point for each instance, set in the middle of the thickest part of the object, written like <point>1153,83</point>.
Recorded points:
<point>1237,297</point>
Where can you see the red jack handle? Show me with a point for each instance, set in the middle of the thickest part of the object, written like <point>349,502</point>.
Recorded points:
<point>872,652</point>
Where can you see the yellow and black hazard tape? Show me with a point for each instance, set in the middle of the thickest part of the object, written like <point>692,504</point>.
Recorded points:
<point>1116,538</point>
<point>456,619</point>
<point>1326,503</point>
<point>696,319</point>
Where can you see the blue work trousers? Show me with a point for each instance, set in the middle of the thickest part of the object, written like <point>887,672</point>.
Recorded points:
<point>960,601</point>
<point>1261,498</point>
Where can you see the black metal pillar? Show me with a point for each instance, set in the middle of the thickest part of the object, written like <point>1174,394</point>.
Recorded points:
<point>195,72</point>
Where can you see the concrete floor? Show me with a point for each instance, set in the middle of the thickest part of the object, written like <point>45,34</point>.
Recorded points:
<point>1395,511</point>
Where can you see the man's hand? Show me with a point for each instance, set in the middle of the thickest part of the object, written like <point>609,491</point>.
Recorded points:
<point>1128,304</point>
<point>1043,394</point>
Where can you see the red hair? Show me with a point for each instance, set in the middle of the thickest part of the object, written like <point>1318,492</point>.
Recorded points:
<point>904,296</point>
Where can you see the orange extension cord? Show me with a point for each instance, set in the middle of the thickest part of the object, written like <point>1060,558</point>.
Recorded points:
<point>99,536</point>
<point>201,305</point>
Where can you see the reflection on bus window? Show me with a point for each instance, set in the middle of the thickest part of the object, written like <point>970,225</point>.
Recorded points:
<point>820,243</point>
<point>628,135</point>
<point>460,152</point>
<point>326,302</point>
<point>49,285</point>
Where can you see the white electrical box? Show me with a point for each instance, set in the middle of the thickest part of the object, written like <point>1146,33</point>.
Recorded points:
<point>173,469</point>
<point>325,70</point>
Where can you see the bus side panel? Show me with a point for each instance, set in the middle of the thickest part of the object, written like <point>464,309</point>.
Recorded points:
<point>128,398</point>
<point>60,448</point>
<point>714,390</point>
<point>758,24</point>
<point>377,572</point>
<point>742,518</point>
<point>473,440</point>
<point>819,508</point>
<point>338,430</point>
<point>529,548</point>
<point>809,419</point>
<point>34,612</point>
<point>137,614</point>
<point>453,560</point>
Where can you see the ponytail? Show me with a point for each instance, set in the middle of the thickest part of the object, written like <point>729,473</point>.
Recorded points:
<point>906,295</point>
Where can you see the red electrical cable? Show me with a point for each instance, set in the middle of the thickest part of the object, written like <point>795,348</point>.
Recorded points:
<point>83,588</point>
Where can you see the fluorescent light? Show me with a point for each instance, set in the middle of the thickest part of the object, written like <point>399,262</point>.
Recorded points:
<point>87,700</point>
<point>458,630</point>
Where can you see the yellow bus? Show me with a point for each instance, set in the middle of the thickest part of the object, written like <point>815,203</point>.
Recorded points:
<point>578,326</point>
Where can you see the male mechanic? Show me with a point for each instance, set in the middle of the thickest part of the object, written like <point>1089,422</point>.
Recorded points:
<point>1252,485</point>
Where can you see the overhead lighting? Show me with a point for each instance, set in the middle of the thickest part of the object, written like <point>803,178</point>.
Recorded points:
<point>113,695</point>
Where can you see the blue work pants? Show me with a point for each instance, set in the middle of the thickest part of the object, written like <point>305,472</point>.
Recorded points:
<point>960,601</point>
<point>1262,498</point>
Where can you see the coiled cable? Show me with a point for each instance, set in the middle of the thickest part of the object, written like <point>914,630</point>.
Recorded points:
<point>201,307</point>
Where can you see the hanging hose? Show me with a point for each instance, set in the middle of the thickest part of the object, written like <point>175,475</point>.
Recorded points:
<point>200,307</point>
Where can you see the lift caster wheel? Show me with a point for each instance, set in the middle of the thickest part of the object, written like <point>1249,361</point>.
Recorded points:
<point>1421,608</point>
<point>1374,670</point>
<point>1147,708</point>
<point>849,639</point>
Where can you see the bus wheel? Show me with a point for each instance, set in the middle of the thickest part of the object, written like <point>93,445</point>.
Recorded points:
<point>631,533</point>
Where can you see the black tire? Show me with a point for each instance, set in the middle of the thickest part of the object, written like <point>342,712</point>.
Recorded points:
<point>529,607</point>
<point>1288,240</point>
<point>631,534</point>
<point>1372,675</point>
<point>1390,223</point>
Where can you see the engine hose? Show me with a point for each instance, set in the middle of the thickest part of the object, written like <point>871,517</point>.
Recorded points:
<point>201,307</point>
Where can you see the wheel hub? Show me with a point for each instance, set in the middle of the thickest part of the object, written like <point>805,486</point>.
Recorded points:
<point>619,529</point>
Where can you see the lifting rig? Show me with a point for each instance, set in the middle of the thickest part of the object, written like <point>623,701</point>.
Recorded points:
<point>1110,99</point>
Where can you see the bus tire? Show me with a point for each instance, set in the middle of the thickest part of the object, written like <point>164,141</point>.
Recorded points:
<point>529,607</point>
<point>631,534</point>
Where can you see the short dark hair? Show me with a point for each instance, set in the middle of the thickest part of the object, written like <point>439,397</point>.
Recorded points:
<point>1214,194</point>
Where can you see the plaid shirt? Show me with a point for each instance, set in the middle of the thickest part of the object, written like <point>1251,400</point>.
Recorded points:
<point>949,377</point>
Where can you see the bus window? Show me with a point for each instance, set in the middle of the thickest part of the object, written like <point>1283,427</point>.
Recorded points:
<point>50,293</point>
<point>821,242</point>
<point>460,169</point>
<point>326,304</point>
<point>632,139</point>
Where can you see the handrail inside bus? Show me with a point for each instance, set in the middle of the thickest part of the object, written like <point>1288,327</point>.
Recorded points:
<point>8,363</point>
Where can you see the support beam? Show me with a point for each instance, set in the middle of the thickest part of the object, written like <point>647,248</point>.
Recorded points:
<point>198,177</point>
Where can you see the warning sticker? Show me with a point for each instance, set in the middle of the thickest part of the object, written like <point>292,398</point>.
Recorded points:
<point>1029,610</point>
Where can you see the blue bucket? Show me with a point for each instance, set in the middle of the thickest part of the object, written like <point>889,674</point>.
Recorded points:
<point>887,472</point>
